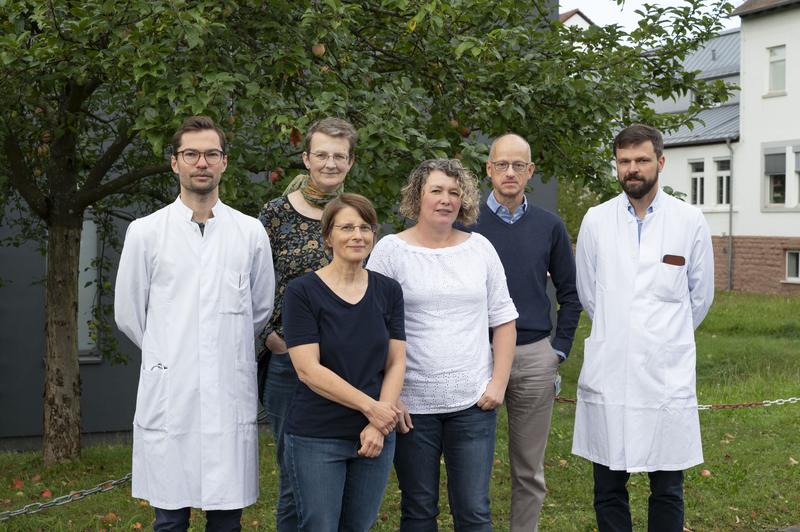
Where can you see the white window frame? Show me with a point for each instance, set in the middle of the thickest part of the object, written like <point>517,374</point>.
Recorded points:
<point>776,73</point>
<point>723,182</point>
<point>793,256</point>
<point>697,183</point>
<point>771,185</point>
<point>87,290</point>
<point>796,153</point>
<point>770,176</point>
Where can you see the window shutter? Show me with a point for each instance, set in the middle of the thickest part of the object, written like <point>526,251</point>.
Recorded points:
<point>775,164</point>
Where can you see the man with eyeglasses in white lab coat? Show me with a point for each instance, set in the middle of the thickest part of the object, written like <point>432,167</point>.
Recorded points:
<point>195,283</point>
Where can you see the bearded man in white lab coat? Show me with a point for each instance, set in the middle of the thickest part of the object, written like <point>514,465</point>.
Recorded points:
<point>645,275</point>
<point>195,283</point>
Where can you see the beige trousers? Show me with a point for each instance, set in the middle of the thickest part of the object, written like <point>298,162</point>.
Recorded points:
<point>529,402</point>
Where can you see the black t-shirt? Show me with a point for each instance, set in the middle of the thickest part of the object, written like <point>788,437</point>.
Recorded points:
<point>353,343</point>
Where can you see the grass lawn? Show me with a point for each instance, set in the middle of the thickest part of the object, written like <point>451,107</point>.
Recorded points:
<point>748,350</point>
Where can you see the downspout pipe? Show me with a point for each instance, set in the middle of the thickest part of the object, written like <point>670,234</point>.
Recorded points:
<point>730,219</point>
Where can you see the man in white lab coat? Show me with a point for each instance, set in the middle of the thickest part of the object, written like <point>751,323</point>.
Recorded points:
<point>645,275</point>
<point>195,283</point>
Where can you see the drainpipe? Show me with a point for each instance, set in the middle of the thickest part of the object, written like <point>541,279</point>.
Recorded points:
<point>730,219</point>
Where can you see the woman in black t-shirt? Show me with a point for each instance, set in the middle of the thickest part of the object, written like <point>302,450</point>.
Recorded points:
<point>344,327</point>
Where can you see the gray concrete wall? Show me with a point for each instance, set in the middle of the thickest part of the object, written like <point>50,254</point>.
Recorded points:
<point>108,392</point>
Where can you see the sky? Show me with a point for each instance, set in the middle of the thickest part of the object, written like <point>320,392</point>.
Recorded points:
<point>604,12</point>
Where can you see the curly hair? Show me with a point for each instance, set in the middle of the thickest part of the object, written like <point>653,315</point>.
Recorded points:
<point>467,185</point>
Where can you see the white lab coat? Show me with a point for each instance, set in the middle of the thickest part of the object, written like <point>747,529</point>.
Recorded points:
<point>637,407</point>
<point>192,304</point>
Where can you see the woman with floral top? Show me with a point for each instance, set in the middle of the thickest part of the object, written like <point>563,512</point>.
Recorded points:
<point>293,224</point>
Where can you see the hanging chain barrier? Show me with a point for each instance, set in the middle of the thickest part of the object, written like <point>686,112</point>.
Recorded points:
<point>65,499</point>
<point>731,406</point>
<point>111,484</point>
<point>774,402</point>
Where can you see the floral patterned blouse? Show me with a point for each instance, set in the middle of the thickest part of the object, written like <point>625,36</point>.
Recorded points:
<point>297,248</point>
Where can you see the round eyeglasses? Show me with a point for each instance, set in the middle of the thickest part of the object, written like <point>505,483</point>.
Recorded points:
<point>192,157</point>
<point>517,166</point>
<point>322,157</point>
<point>364,228</point>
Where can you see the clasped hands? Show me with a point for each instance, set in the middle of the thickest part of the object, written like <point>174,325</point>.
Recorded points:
<point>383,418</point>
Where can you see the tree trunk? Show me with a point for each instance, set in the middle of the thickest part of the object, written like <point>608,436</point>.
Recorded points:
<point>62,380</point>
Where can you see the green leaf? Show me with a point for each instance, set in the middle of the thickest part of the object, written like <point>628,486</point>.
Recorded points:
<point>463,47</point>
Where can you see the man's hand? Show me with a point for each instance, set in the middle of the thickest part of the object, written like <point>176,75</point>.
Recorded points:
<point>492,397</point>
<point>404,423</point>
<point>275,343</point>
<point>383,415</point>
<point>371,442</point>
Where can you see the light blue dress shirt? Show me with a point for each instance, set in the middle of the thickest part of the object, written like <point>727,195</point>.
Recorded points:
<point>640,221</point>
<point>503,212</point>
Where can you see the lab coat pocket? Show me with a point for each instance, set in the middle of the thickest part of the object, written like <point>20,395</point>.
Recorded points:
<point>680,370</point>
<point>234,292</point>
<point>151,400</point>
<point>670,283</point>
<point>247,395</point>
<point>591,376</point>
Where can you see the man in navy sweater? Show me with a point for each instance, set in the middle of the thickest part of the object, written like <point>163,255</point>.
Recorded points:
<point>531,242</point>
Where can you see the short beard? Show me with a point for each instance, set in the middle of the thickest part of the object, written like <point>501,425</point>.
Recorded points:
<point>202,190</point>
<point>638,191</point>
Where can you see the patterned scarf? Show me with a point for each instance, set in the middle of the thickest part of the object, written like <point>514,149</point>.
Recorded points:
<point>310,192</point>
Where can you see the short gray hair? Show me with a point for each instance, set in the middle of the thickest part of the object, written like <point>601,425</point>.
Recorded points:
<point>333,127</point>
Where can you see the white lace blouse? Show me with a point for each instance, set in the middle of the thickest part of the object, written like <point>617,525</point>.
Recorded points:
<point>452,296</point>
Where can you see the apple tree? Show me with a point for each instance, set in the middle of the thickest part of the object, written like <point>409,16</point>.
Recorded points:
<point>90,92</point>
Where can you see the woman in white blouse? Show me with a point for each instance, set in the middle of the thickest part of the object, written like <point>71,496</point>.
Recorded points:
<point>455,290</point>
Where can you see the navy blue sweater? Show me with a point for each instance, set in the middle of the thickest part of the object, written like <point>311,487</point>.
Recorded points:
<point>536,244</point>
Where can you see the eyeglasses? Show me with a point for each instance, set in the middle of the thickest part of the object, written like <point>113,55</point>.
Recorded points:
<point>212,157</point>
<point>322,157</point>
<point>518,166</point>
<point>364,228</point>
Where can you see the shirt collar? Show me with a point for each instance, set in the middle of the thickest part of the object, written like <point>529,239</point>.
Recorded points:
<point>185,213</point>
<point>494,205</point>
<point>654,205</point>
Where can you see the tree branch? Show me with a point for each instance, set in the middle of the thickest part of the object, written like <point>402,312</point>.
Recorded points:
<point>79,93</point>
<point>110,156</point>
<point>57,26</point>
<point>61,172</point>
<point>88,196</point>
<point>122,215</point>
<point>20,176</point>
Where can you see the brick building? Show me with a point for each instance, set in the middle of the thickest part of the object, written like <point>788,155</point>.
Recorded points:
<point>741,166</point>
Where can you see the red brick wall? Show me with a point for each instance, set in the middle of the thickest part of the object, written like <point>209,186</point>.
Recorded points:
<point>759,264</point>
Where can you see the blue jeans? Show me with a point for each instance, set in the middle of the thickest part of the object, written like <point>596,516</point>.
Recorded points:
<point>278,392</point>
<point>334,488</point>
<point>216,520</point>
<point>466,438</point>
<point>665,504</point>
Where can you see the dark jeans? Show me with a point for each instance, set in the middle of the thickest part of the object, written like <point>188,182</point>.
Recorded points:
<point>216,520</point>
<point>665,505</point>
<point>466,439</point>
<point>334,488</point>
<point>278,392</point>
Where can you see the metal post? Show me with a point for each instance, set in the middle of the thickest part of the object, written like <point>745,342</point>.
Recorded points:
<point>730,219</point>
